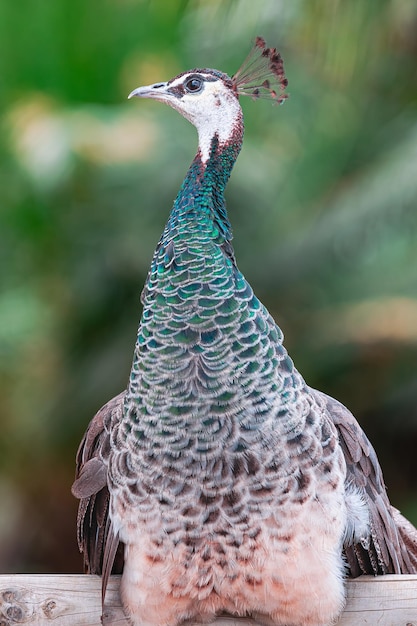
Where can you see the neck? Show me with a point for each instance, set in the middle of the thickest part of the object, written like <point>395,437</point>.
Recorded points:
<point>227,128</point>
<point>200,206</point>
<point>198,218</point>
<point>214,163</point>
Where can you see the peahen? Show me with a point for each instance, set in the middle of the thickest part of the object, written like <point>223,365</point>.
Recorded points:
<point>219,481</point>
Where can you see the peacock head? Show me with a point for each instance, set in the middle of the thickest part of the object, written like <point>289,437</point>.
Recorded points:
<point>209,99</point>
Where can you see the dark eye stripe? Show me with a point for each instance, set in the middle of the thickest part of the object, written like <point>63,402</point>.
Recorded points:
<point>179,90</point>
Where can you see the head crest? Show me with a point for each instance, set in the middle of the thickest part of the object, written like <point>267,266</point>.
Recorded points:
<point>261,75</point>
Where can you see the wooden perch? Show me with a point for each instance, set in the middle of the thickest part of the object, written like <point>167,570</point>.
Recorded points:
<point>74,600</point>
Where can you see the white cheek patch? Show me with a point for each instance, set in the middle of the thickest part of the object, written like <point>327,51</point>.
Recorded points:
<point>214,110</point>
<point>217,113</point>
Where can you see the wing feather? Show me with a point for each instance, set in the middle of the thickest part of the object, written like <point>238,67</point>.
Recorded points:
<point>97,540</point>
<point>391,547</point>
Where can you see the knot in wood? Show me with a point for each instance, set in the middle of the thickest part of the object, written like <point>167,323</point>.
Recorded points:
<point>48,608</point>
<point>14,613</point>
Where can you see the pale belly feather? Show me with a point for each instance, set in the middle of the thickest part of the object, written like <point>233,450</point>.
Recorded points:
<point>290,574</point>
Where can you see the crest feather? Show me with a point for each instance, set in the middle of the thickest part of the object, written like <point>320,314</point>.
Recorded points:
<point>261,75</point>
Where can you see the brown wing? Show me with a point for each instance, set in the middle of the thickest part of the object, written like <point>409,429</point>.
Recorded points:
<point>100,546</point>
<point>392,545</point>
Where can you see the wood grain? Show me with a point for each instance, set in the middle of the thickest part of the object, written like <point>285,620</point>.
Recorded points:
<point>74,600</point>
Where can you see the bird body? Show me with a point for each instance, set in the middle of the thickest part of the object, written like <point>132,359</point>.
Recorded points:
<point>231,484</point>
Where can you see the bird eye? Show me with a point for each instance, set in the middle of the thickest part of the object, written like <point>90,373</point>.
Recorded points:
<point>194,84</point>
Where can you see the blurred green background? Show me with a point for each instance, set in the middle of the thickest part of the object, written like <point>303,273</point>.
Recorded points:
<point>323,201</point>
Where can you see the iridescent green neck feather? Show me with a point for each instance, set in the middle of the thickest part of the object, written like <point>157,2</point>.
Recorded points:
<point>210,370</point>
<point>198,220</point>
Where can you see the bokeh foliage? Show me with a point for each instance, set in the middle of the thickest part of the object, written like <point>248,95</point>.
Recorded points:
<point>323,201</point>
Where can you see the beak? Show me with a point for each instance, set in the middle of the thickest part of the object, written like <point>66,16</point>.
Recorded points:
<point>158,91</point>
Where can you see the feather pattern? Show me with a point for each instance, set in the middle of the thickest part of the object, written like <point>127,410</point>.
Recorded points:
<point>94,529</point>
<point>219,480</point>
<point>384,551</point>
<point>262,74</point>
